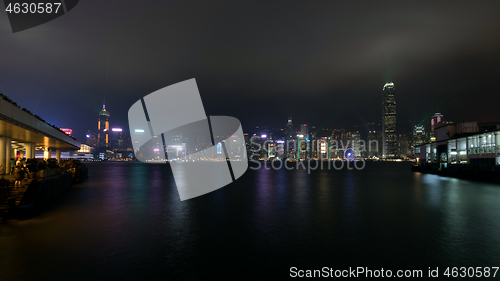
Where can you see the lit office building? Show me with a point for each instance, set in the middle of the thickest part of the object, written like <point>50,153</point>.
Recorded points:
<point>271,151</point>
<point>373,144</point>
<point>178,152</point>
<point>103,128</point>
<point>356,143</point>
<point>304,130</point>
<point>289,137</point>
<point>85,152</point>
<point>340,139</point>
<point>322,148</point>
<point>389,137</point>
<point>437,118</point>
<point>120,143</point>
<point>280,149</point>
<point>305,146</point>
<point>418,135</point>
<point>404,145</point>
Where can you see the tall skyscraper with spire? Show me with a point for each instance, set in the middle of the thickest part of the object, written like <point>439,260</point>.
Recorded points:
<point>389,137</point>
<point>103,128</point>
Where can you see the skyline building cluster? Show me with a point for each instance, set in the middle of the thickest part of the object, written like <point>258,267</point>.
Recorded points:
<point>380,140</point>
<point>107,142</point>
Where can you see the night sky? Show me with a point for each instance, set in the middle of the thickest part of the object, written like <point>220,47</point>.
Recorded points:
<point>260,61</point>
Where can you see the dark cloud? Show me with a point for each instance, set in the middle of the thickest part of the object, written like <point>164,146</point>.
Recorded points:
<point>259,61</point>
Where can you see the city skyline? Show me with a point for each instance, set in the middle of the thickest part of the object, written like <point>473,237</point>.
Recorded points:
<point>441,57</point>
<point>104,127</point>
<point>388,108</point>
<point>109,142</point>
<point>383,140</point>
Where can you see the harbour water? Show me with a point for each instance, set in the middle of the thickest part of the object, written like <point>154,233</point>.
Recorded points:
<point>127,222</point>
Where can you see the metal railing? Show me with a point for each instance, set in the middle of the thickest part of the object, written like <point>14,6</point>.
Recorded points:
<point>42,192</point>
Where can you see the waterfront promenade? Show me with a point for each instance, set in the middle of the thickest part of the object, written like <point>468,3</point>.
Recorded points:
<point>38,190</point>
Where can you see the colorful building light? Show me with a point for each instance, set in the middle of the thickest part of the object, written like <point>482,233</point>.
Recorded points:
<point>67,131</point>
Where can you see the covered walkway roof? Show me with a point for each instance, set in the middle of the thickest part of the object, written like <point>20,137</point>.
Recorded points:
<point>23,127</point>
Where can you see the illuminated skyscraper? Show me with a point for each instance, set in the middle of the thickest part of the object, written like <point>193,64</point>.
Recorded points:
<point>389,137</point>
<point>305,142</point>
<point>289,128</point>
<point>289,145</point>
<point>103,128</point>
<point>304,130</point>
<point>437,118</point>
<point>418,135</point>
<point>373,144</point>
<point>356,144</point>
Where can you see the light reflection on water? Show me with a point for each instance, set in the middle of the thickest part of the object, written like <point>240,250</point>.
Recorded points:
<point>127,221</point>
